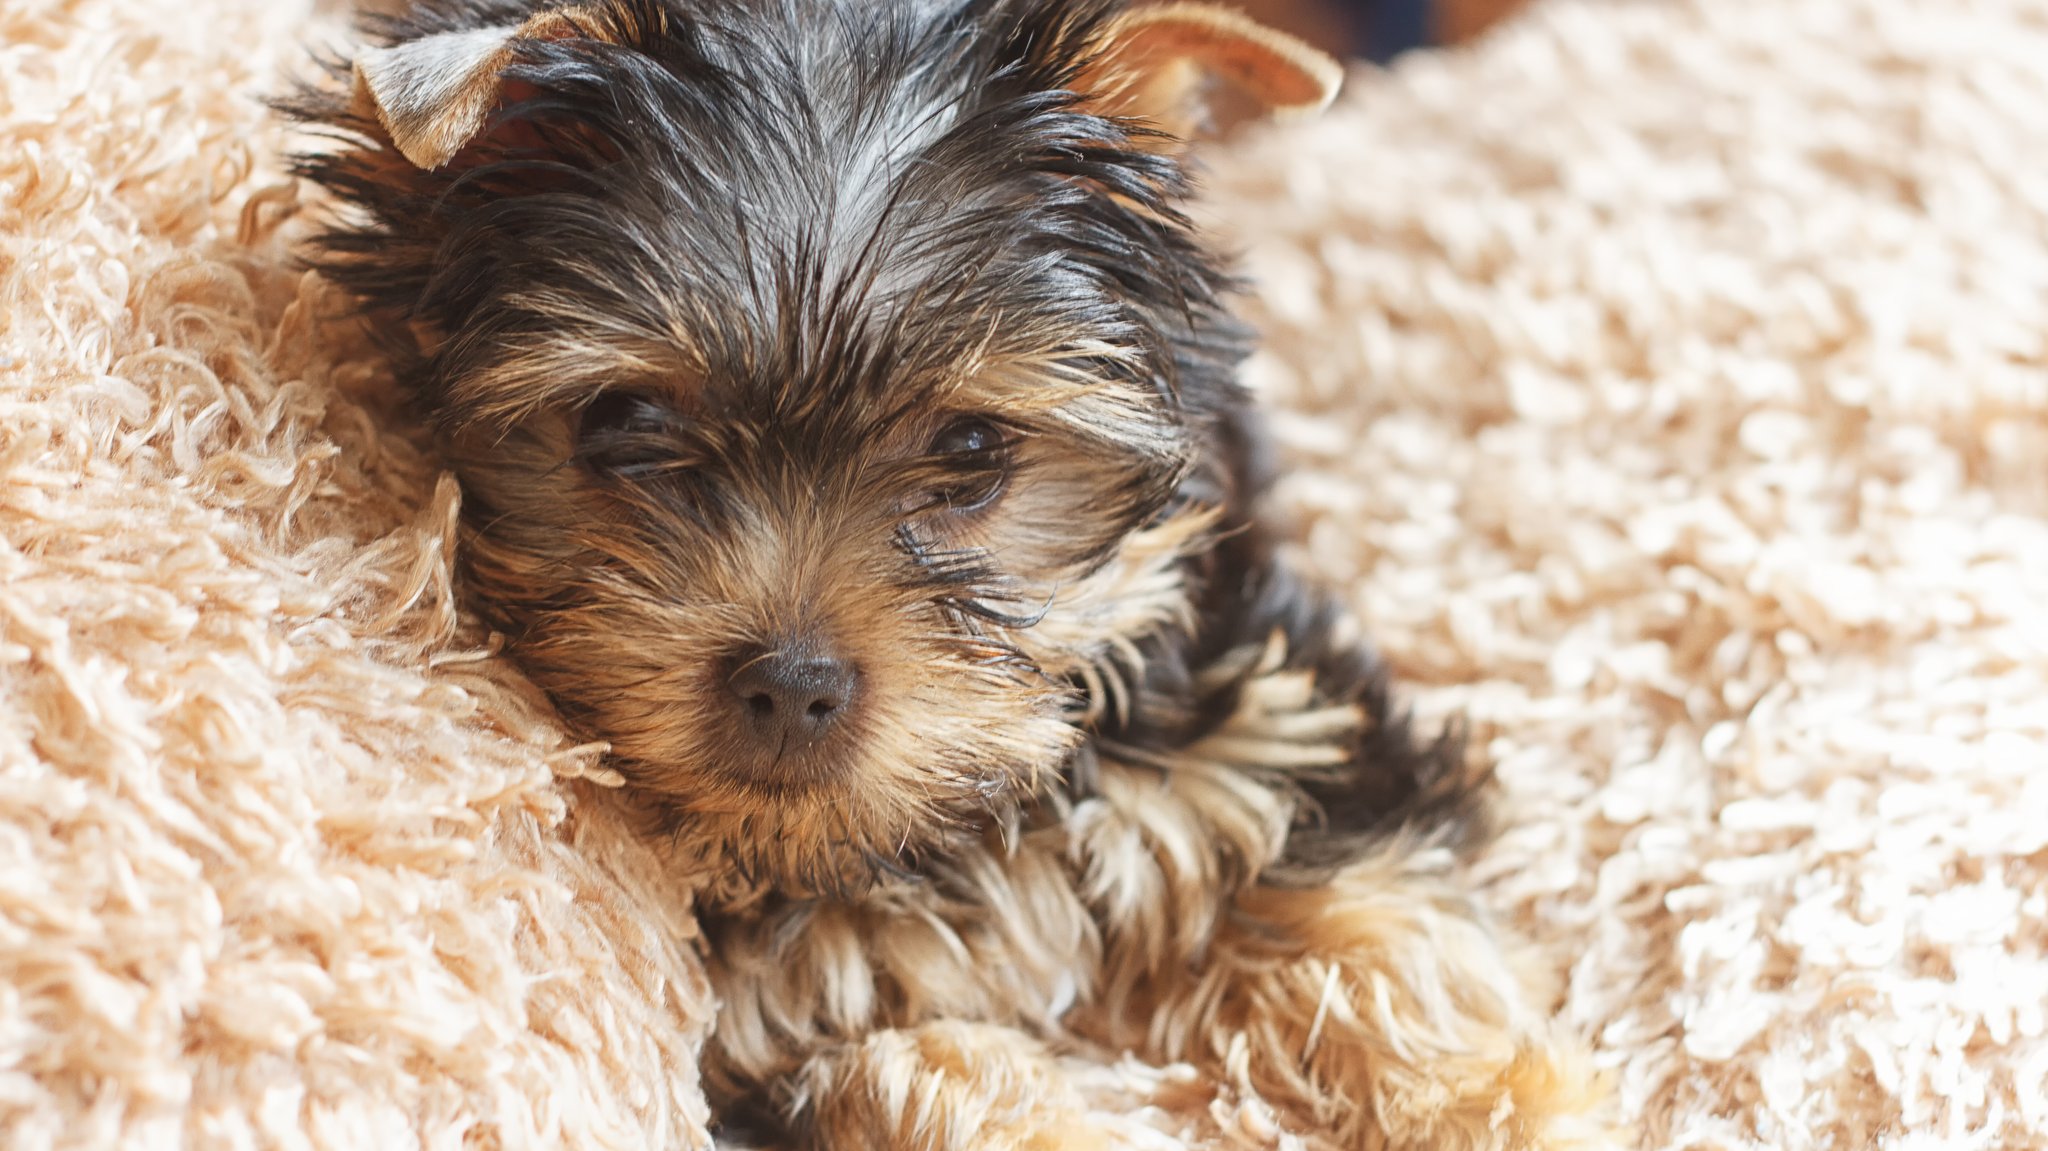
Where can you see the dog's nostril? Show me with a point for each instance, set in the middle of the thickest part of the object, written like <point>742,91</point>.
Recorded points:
<point>793,692</point>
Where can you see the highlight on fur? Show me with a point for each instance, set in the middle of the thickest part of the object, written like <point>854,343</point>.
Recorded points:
<point>848,423</point>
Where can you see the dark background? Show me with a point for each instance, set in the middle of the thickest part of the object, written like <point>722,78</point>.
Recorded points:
<point>1380,29</point>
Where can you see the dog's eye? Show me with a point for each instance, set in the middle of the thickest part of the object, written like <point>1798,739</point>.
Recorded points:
<point>976,456</point>
<point>967,437</point>
<point>628,435</point>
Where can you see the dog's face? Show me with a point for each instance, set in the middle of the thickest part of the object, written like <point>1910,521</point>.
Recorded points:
<point>824,379</point>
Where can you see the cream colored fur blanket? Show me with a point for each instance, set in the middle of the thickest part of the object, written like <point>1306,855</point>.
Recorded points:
<point>1667,383</point>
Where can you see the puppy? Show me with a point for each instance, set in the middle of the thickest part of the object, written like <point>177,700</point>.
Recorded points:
<point>848,428</point>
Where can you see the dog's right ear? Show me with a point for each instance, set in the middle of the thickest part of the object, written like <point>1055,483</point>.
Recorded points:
<point>434,94</point>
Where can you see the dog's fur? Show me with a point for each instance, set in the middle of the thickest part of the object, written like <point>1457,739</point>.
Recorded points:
<point>696,293</point>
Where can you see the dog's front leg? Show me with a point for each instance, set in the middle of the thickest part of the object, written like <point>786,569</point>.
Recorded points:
<point>1380,1007</point>
<point>1374,1007</point>
<point>1282,906</point>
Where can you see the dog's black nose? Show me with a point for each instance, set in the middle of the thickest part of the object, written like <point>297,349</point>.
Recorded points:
<point>793,693</point>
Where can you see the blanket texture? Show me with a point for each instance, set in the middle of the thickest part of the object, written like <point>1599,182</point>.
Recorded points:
<point>1666,383</point>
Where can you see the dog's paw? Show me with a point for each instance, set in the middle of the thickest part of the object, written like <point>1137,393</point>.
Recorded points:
<point>944,1087</point>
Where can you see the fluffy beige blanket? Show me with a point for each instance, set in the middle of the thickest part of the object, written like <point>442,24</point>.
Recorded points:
<point>1667,383</point>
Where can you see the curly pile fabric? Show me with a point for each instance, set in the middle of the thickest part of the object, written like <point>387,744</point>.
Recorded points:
<point>1666,383</point>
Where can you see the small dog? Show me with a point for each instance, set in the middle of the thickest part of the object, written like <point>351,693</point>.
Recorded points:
<point>847,419</point>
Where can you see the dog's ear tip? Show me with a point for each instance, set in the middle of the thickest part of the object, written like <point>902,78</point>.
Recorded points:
<point>433,94</point>
<point>1325,94</point>
<point>1155,55</point>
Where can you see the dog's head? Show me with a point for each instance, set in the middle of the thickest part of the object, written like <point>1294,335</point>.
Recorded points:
<point>828,380</point>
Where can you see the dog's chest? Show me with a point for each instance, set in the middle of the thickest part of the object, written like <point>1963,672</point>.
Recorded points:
<point>995,937</point>
<point>1131,880</point>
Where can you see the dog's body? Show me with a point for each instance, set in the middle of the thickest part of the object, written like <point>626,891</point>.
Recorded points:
<point>850,436</point>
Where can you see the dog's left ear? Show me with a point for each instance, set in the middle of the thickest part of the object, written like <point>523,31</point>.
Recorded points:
<point>1156,60</point>
<point>434,94</point>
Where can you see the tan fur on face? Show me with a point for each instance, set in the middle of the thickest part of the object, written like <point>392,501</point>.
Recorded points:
<point>582,354</point>
<point>960,719</point>
<point>940,733</point>
<point>1091,631</point>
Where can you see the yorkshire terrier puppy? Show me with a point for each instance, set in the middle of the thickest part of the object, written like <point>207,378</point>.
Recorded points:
<point>848,428</point>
